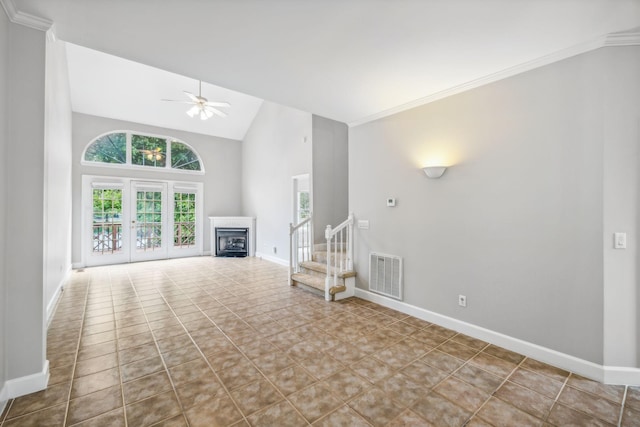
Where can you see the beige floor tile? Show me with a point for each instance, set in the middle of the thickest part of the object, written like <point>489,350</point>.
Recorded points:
<point>409,419</point>
<point>537,382</point>
<point>282,414</point>
<point>314,402</point>
<point>525,399</point>
<point>291,379</point>
<point>145,387</point>
<point>150,411</point>
<point>94,404</point>
<point>463,394</point>
<point>342,417</point>
<point>440,411</point>
<point>590,404</point>
<point>52,396</point>
<point>50,417</point>
<point>563,416</point>
<point>255,396</point>
<point>219,410</point>
<point>94,382</point>
<point>266,340</point>
<point>114,418</point>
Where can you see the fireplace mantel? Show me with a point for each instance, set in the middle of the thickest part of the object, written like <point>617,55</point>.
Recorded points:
<point>233,222</point>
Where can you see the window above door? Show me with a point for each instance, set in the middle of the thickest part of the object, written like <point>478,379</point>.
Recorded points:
<point>135,150</point>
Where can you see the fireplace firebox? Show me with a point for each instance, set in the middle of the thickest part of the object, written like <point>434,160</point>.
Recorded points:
<point>232,242</point>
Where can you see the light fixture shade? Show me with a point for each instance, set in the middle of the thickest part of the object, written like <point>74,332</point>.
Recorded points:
<point>434,171</point>
<point>193,111</point>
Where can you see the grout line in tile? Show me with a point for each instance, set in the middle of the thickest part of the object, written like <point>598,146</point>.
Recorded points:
<point>624,400</point>
<point>75,359</point>
<point>117,353</point>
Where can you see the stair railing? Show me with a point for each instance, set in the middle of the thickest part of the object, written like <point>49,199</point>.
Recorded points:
<point>339,253</point>
<point>300,245</point>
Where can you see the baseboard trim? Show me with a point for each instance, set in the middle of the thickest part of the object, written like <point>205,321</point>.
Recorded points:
<point>272,259</point>
<point>25,385</point>
<point>605,374</point>
<point>51,307</point>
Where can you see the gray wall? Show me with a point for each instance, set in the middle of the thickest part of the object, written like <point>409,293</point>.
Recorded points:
<point>517,223</point>
<point>57,183</point>
<point>221,158</point>
<point>276,147</point>
<point>25,327</point>
<point>621,136</point>
<point>4,71</point>
<point>330,174</point>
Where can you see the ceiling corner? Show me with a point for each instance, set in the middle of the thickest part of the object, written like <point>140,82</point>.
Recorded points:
<point>26,19</point>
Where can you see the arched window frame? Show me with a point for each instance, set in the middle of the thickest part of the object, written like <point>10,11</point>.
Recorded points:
<point>129,163</point>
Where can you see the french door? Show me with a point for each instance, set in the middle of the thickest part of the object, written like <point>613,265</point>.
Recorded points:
<point>128,220</point>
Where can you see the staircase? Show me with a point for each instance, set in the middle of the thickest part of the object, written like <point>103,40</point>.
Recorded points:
<point>325,267</point>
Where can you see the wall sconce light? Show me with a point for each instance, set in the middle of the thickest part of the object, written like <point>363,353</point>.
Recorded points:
<point>434,171</point>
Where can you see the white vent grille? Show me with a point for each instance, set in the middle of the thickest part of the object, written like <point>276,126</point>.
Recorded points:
<point>385,275</point>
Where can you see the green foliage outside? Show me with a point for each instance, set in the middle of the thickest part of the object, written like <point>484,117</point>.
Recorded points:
<point>183,158</point>
<point>148,151</point>
<point>110,148</point>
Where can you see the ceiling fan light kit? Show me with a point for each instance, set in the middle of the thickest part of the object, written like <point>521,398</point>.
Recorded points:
<point>201,107</point>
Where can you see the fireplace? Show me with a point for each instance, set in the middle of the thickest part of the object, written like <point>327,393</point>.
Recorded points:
<point>232,241</point>
<point>236,243</point>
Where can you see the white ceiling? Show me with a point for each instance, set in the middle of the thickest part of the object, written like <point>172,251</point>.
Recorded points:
<point>108,86</point>
<point>348,60</point>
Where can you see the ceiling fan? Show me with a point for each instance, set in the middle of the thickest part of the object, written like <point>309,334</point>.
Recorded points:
<point>201,106</point>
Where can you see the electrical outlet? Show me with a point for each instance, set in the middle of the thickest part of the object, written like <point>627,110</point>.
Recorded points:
<point>462,300</point>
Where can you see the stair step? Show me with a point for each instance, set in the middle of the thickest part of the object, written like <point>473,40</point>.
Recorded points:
<point>309,280</point>
<point>322,268</point>
<point>322,247</point>
<point>321,257</point>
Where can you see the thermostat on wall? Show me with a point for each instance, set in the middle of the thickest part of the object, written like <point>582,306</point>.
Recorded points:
<point>391,201</point>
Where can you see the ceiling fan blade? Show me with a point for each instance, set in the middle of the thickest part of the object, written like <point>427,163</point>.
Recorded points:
<point>216,111</point>
<point>191,96</point>
<point>179,102</point>
<point>217,104</point>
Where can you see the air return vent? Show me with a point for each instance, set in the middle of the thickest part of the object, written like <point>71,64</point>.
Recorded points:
<point>385,275</point>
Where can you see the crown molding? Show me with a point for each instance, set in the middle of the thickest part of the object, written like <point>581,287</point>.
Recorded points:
<point>26,19</point>
<point>624,38</point>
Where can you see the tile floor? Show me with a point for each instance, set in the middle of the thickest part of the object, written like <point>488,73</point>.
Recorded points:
<point>217,342</point>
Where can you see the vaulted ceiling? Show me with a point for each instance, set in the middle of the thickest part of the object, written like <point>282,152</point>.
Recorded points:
<point>348,60</point>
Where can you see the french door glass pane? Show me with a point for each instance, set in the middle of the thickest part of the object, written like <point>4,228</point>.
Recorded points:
<point>107,221</point>
<point>184,220</point>
<point>148,221</point>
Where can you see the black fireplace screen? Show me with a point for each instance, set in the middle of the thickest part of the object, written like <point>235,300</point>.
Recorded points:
<point>232,241</point>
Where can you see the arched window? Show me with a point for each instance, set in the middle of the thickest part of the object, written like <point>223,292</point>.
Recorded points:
<point>137,150</point>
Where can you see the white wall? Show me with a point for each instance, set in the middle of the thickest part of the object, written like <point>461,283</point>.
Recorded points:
<point>517,224</point>
<point>621,136</point>
<point>25,328</point>
<point>221,158</point>
<point>57,183</point>
<point>330,174</point>
<point>276,147</point>
<point>4,71</point>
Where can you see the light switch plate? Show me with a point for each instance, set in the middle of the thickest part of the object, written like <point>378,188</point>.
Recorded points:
<point>363,224</point>
<point>619,240</point>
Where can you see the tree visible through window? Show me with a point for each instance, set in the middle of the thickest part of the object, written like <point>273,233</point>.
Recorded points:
<point>111,148</point>
<point>143,151</point>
